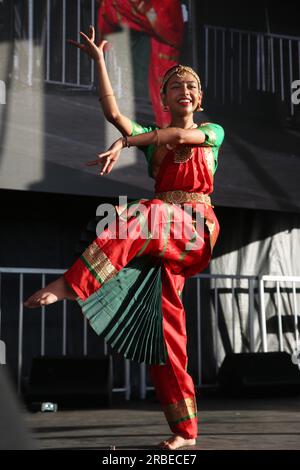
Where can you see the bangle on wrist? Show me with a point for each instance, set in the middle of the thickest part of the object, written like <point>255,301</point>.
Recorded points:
<point>125,142</point>
<point>104,96</point>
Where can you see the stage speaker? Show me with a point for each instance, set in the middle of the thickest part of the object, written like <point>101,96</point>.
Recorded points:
<point>259,374</point>
<point>70,381</point>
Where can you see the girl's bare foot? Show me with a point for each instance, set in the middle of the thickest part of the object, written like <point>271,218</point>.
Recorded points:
<point>53,292</point>
<point>176,442</point>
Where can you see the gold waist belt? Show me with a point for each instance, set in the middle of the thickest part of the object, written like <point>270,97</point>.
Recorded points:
<point>180,197</point>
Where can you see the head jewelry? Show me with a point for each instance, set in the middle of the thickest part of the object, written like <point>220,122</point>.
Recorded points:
<point>180,71</point>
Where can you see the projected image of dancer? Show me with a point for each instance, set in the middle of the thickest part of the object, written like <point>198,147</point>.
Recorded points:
<point>129,280</point>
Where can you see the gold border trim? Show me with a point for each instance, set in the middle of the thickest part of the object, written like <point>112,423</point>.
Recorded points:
<point>179,197</point>
<point>98,262</point>
<point>209,158</point>
<point>181,410</point>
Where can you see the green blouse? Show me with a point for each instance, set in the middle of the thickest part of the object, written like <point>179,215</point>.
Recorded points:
<point>214,134</point>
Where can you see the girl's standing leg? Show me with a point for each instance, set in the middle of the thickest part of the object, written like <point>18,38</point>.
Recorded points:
<point>174,386</point>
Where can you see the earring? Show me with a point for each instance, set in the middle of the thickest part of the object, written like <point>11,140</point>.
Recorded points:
<point>199,108</point>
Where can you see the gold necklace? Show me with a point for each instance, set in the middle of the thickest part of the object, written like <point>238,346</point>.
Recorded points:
<point>183,153</point>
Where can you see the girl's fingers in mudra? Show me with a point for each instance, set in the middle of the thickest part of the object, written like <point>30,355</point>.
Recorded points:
<point>107,163</point>
<point>96,162</point>
<point>76,44</point>
<point>92,33</point>
<point>92,163</point>
<point>110,166</point>
<point>85,37</point>
<point>107,166</point>
<point>104,45</point>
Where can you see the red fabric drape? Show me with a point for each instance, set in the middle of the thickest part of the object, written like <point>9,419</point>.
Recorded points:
<point>162,20</point>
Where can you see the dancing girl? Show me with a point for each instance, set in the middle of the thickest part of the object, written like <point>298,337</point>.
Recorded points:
<point>129,280</point>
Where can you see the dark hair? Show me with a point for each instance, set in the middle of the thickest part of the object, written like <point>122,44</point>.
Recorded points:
<point>164,88</point>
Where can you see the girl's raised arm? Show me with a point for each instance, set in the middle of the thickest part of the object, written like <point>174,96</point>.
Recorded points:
<point>106,94</point>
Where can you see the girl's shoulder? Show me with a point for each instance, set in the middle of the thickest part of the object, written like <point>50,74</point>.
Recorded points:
<point>214,132</point>
<point>141,128</point>
<point>209,124</point>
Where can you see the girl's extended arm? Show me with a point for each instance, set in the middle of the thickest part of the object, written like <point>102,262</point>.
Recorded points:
<point>169,136</point>
<point>106,94</point>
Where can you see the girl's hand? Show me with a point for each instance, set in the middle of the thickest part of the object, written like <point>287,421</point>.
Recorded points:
<point>90,47</point>
<point>107,160</point>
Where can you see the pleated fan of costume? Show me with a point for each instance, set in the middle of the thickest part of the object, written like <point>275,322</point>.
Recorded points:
<point>127,311</point>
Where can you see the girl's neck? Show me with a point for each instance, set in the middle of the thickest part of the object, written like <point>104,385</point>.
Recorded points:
<point>184,122</point>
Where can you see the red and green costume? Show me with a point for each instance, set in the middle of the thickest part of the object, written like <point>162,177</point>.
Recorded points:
<point>129,287</point>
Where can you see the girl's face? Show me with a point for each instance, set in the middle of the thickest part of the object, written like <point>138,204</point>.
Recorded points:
<point>182,94</point>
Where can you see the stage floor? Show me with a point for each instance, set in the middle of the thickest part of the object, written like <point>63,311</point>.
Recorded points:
<point>224,424</point>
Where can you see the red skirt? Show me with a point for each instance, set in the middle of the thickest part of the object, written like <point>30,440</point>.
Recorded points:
<point>118,277</point>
